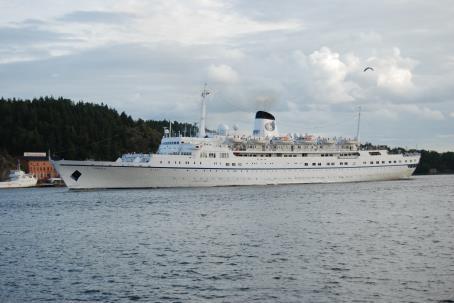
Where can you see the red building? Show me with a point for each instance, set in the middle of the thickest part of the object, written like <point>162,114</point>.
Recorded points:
<point>38,165</point>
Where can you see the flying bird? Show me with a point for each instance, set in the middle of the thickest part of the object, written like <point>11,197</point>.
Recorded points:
<point>368,68</point>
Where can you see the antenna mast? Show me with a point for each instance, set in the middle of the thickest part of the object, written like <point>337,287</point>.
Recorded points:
<point>359,124</point>
<point>203,114</point>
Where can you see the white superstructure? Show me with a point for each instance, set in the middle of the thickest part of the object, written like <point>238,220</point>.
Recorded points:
<point>226,159</point>
<point>18,178</point>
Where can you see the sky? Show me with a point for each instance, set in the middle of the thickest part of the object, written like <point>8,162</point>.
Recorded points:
<point>301,60</point>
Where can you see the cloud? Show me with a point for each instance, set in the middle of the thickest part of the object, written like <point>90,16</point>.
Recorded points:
<point>201,22</point>
<point>393,111</point>
<point>325,75</point>
<point>96,17</point>
<point>329,73</point>
<point>196,22</point>
<point>222,73</point>
<point>446,136</point>
<point>395,78</point>
<point>151,58</point>
<point>233,53</point>
<point>331,77</point>
<point>23,35</point>
<point>394,72</point>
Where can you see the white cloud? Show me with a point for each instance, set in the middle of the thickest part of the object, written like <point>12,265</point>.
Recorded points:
<point>393,111</point>
<point>201,22</point>
<point>446,136</point>
<point>327,75</point>
<point>394,72</point>
<point>395,78</point>
<point>92,25</point>
<point>233,53</point>
<point>139,54</point>
<point>222,73</point>
<point>424,112</point>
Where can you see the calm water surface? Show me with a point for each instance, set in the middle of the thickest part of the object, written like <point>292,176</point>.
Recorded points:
<point>363,242</point>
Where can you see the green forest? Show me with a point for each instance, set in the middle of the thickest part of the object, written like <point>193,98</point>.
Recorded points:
<point>75,130</point>
<point>81,130</point>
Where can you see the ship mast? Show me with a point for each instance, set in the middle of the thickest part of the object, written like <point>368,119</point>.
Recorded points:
<point>359,123</point>
<point>203,114</point>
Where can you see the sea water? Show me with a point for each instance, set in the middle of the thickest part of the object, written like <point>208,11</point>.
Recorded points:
<point>355,242</point>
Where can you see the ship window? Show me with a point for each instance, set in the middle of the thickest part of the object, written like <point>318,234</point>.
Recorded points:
<point>390,161</point>
<point>346,163</point>
<point>227,164</point>
<point>382,162</point>
<point>342,163</point>
<point>233,164</point>
<point>313,164</point>
<point>371,162</point>
<point>320,164</point>
<point>378,162</point>
<point>306,164</point>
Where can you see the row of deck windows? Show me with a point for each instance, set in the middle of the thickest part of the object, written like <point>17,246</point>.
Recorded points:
<point>296,163</point>
<point>294,155</point>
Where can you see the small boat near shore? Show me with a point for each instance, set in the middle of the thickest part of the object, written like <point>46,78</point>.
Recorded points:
<point>19,179</point>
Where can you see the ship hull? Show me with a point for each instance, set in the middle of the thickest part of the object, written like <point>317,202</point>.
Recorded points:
<point>93,175</point>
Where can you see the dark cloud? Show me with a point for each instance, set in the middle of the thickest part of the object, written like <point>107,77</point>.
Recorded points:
<point>96,17</point>
<point>27,35</point>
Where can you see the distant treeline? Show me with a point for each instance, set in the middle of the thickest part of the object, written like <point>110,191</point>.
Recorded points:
<point>80,130</point>
<point>76,130</point>
<point>431,162</point>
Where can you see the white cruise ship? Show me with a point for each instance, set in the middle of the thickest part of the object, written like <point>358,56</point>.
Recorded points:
<point>230,158</point>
